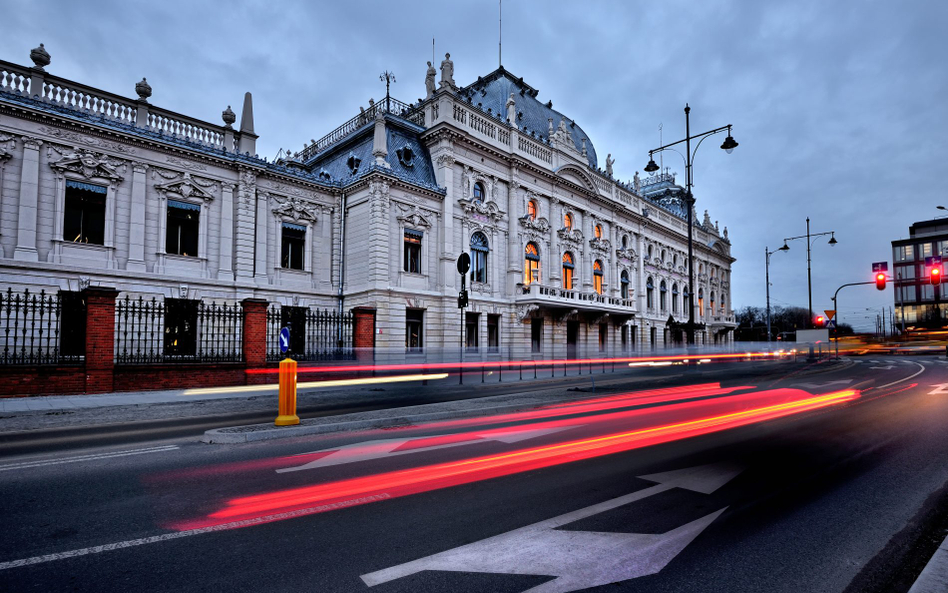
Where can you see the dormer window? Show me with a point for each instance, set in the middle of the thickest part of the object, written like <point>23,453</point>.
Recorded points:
<point>353,163</point>
<point>405,156</point>
<point>478,192</point>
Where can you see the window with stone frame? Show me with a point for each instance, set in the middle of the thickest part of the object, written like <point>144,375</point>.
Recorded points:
<point>675,298</point>
<point>531,264</point>
<point>603,336</point>
<point>412,262</point>
<point>479,250</point>
<point>597,231</point>
<point>568,221</point>
<point>84,213</point>
<point>536,335</point>
<point>181,317</point>
<point>479,192</point>
<point>493,333</point>
<point>597,276</point>
<point>183,228</point>
<point>624,284</point>
<point>568,267</point>
<point>649,293</point>
<point>471,334</point>
<point>414,330</point>
<point>663,296</point>
<point>532,209</point>
<point>293,246</point>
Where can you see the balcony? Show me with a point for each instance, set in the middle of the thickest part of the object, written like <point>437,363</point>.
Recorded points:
<point>554,297</point>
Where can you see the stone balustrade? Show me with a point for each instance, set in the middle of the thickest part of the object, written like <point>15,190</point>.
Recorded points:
<point>554,295</point>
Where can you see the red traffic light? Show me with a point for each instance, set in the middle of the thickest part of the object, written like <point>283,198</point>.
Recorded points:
<point>936,275</point>
<point>880,281</point>
<point>819,321</point>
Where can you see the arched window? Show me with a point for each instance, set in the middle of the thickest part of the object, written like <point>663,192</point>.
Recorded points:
<point>675,260</point>
<point>663,255</point>
<point>624,284</point>
<point>597,230</point>
<point>568,222</point>
<point>675,297</point>
<point>479,250</point>
<point>532,209</point>
<point>649,293</point>
<point>662,301</point>
<point>597,276</point>
<point>700,301</point>
<point>711,304</point>
<point>625,241</point>
<point>650,252</point>
<point>478,192</point>
<point>568,270</point>
<point>686,299</point>
<point>531,264</point>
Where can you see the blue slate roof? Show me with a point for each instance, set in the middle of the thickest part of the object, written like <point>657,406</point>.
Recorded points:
<point>491,92</point>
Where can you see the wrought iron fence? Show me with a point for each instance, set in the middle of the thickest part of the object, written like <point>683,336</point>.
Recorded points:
<point>314,334</point>
<point>42,328</point>
<point>177,330</point>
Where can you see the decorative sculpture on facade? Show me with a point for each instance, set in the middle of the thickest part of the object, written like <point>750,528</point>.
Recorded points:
<point>511,110</point>
<point>609,162</point>
<point>430,80</point>
<point>447,72</point>
<point>636,182</point>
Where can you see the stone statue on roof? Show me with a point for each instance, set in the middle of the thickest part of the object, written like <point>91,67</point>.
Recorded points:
<point>447,72</point>
<point>430,80</point>
<point>511,110</point>
<point>609,162</point>
<point>636,182</point>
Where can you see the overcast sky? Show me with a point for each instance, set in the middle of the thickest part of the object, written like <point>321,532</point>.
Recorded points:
<point>839,107</point>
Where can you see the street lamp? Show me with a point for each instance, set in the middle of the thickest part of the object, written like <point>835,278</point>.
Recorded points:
<point>768,253</point>
<point>728,146</point>
<point>809,243</point>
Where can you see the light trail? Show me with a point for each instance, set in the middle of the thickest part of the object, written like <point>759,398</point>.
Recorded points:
<point>783,402</point>
<point>317,384</point>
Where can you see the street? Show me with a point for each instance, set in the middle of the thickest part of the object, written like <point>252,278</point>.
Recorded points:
<point>825,479</point>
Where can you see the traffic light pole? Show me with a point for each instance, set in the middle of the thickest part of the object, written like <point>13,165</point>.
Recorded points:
<point>836,308</point>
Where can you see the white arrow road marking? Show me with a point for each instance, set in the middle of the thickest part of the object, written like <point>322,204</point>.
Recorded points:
<point>823,385</point>
<point>90,457</point>
<point>387,447</point>
<point>578,559</point>
<point>939,389</point>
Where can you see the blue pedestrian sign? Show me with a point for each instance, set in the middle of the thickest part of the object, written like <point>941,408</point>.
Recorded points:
<point>830,324</point>
<point>284,340</point>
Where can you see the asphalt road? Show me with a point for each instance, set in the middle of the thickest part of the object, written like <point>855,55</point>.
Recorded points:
<point>699,489</point>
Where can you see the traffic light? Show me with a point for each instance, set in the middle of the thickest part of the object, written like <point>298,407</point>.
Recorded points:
<point>935,275</point>
<point>462,299</point>
<point>880,281</point>
<point>819,321</point>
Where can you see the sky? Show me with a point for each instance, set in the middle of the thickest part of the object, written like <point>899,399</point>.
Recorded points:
<point>839,107</point>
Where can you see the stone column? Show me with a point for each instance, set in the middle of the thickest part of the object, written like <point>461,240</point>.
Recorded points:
<point>380,233</point>
<point>136,223</point>
<point>245,225</point>
<point>29,199</point>
<point>225,270</point>
<point>513,242</point>
<point>100,338</point>
<point>263,221</point>
<point>555,257</point>
<point>445,163</point>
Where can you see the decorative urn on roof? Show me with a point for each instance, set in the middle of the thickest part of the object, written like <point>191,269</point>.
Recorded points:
<point>40,57</point>
<point>143,89</point>
<point>228,116</point>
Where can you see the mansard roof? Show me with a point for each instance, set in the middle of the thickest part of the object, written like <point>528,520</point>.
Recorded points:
<point>491,92</point>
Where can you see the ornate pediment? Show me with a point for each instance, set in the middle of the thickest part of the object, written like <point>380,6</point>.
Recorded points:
<point>184,186</point>
<point>628,254</point>
<point>414,217</point>
<point>488,209</point>
<point>574,236</point>
<point>294,207</point>
<point>88,164</point>
<point>602,245</point>
<point>576,174</point>
<point>538,225</point>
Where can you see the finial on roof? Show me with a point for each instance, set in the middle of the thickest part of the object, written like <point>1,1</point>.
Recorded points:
<point>40,57</point>
<point>229,117</point>
<point>143,89</point>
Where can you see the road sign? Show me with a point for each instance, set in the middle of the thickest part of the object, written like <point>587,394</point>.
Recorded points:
<point>830,324</point>
<point>464,263</point>
<point>934,260</point>
<point>284,340</point>
<point>830,313</point>
<point>880,266</point>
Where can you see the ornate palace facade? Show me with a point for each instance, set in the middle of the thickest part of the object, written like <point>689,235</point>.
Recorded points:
<point>100,190</point>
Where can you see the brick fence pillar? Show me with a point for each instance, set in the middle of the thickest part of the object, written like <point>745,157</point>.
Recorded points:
<point>255,337</point>
<point>100,338</point>
<point>363,333</point>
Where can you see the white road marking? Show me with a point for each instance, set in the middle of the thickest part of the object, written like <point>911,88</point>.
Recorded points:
<point>578,559</point>
<point>822,385</point>
<point>179,534</point>
<point>939,389</point>
<point>386,447</point>
<point>921,369</point>
<point>90,457</point>
<point>882,368</point>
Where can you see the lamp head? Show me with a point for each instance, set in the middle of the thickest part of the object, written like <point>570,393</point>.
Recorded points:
<point>729,143</point>
<point>833,240</point>
<point>785,247</point>
<point>651,167</point>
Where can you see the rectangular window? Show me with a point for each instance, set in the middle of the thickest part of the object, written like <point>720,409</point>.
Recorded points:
<point>925,250</point>
<point>479,265</point>
<point>181,237</point>
<point>413,251</point>
<point>603,336</point>
<point>941,247</point>
<point>493,333</point>
<point>414,336</point>
<point>926,292</point>
<point>294,245</point>
<point>294,318</point>
<point>905,272</point>
<point>624,337</point>
<point>536,336</point>
<point>180,327</point>
<point>72,323</point>
<point>84,217</point>
<point>470,330</point>
<point>903,253</point>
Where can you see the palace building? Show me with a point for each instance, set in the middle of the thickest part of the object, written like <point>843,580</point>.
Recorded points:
<point>101,190</point>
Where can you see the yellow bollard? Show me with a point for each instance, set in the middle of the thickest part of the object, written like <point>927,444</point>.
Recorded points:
<point>287,410</point>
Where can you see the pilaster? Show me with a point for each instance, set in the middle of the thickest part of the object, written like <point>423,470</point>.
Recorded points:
<point>29,199</point>
<point>226,264</point>
<point>136,224</point>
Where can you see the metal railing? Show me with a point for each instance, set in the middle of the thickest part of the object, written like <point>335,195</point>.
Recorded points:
<point>32,328</point>
<point>153,331</point>
<point>324,335</point>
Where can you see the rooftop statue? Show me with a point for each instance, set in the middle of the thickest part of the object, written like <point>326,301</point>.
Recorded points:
<point>637,183</point>
<point>430,80</point>
<point>447,72</point>
<point>511,110</point>
<point>609,162</point>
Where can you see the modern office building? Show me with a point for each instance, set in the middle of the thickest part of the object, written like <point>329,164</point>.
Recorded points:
<point>920,304</point>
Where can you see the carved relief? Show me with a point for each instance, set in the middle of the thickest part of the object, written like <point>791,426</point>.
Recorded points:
<point>185,163</point>
<point>87,164</point>
<point>184,186</point>
<point>601,245</point>
<point>524,312</point>
<point>413,217</point>
<point>572,236</point>
<point>294,207</point>
<point>84,139</point>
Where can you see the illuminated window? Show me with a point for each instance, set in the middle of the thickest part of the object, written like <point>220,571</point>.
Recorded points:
<point>624,283</point>
<point>84,217</point>
<point>412,263</point>
<point>597,276</point>
<point>568,222</point>
<point>568,270</point>
<point>700,301</point>
<point>531,264</point>
<point>532,209</point>
<point>711,304</point>
<point>598,231</point>
<point>181,236</point>
<point>478,192</point>
<point>479,251</point>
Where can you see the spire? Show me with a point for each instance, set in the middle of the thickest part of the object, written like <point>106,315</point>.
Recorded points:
<point>246,117</point>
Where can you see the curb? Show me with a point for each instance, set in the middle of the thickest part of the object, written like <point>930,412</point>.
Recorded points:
<point>934,577</point>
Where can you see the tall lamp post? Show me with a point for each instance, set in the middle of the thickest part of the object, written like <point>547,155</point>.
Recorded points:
<point>728,146</point>
<point>809,243</point>
<point>767,254</point>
